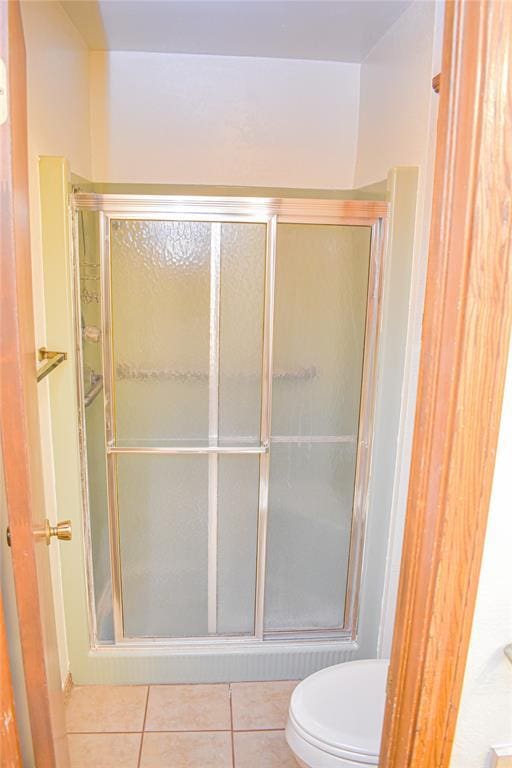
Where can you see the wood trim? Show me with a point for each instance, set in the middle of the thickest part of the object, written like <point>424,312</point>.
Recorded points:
<point>436,82</point>
<point>466,334</point>
<point>19,422</point>
<point>10,755</point>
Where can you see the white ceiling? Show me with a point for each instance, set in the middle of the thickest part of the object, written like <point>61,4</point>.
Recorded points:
<point>328,30</point>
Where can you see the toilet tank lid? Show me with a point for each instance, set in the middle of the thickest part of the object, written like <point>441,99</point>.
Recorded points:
<point>343,706</point>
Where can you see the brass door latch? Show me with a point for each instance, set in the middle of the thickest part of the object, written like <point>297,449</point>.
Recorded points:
<point>62,531</point>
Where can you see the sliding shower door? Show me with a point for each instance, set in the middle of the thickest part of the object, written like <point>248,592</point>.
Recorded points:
<point>319,329</point>
<point>226,486</point>
<point>187,314</point>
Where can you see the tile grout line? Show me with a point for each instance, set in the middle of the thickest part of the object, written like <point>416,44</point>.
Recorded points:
<point>259,730</point>
<point>227,730</point>
<point>174,730</point>
<point>232,733</point>
<point>143,727</point>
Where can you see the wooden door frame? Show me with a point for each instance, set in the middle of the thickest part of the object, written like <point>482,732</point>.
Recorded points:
<point>10,754</point>
<point>19,416</point>
<point>465,344</point>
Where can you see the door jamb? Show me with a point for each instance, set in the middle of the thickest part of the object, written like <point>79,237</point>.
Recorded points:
<point>465,344</point>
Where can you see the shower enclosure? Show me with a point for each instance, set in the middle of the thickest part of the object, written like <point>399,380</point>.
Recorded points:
<point>227,349</point>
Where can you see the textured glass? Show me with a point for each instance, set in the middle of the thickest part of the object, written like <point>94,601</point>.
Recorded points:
<point>310,514</point>
<point>237,540</point>
<point>163,517</point>
<point>90,321</point>
<point>242,295</point>
<point>320,311</point>
<point>160,319</point>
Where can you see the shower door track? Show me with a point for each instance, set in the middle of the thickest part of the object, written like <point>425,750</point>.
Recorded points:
<point>216,210</point>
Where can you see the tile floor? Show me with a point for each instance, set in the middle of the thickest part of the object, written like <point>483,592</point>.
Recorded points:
<point>180,726</point>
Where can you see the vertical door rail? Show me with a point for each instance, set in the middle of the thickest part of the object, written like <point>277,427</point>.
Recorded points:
<point>110,429</point>
<point>266,411</point>
<point>213,425</point>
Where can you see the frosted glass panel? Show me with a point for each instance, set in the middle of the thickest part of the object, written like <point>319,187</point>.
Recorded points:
<point>161,329</point>
<point>237,539</point>
<point>320,311</point>
<point>310,513</point>
<point>92,369</point>
<point>242,294</point>
<point>163,514</point>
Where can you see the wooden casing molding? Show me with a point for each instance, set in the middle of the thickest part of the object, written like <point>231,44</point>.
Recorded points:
<point>10,755</point>
<point>19,416</point>
<point>466,334</point>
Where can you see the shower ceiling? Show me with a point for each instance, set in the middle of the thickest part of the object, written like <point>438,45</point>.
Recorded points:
<point>331,30</point>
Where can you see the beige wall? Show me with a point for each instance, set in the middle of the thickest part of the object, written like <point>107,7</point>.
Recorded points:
<point>170,118</point>
<point>396,96</point>
<point>58,124</point>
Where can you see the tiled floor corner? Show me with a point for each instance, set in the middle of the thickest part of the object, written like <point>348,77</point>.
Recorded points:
<point>180,726</point>
<point>106,709</point>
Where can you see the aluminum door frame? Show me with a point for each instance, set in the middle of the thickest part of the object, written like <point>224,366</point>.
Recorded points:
<point>217,210</point>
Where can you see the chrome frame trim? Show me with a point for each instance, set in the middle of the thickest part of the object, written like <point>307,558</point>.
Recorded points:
<point>82,431</point>
<point>365,435</point>
<point>336,633</point>
<point>361,211</point>
<point>172,450</point>
<point>109,402</point>
<point>213,424</point>
<point>313,439</point>
<point>213,217</point>
<point>259,210</point>
<point>222,643</point>
<point>265,425</point>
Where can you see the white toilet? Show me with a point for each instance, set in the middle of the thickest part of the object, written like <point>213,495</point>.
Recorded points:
<point>335,716</point>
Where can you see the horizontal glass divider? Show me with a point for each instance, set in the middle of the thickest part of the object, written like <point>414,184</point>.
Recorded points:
<point>306,630</point>
<point>205,449</point>
<point>312,632</point>
<point>236,449</point>
<point>313,439</point>
<point>189,640</point>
